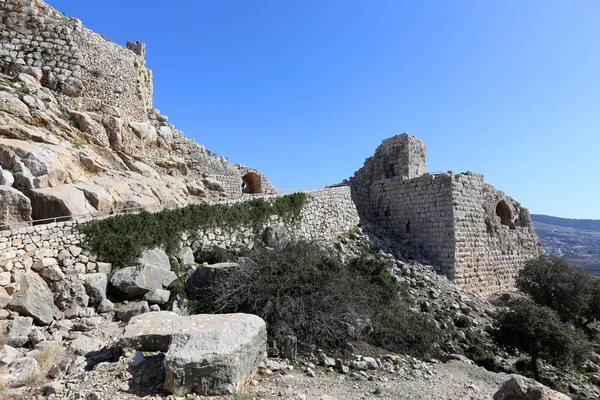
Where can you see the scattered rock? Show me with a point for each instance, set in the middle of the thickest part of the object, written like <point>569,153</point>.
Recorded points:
<point>34,298</point>
<point>19,331</point>
<point>130,310</point>
<point>521,388</point>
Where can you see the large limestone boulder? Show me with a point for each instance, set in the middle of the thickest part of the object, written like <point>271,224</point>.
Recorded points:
<point>156,257</point>
<point>34,298</point>
<point>206,354</point>
<point>197,284</point>
<point>95,287</point>
<point>521,388</point>
<point>137,281</point>
<point>14,206</point>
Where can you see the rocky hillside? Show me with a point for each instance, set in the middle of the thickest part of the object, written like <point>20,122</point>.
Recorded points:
<point>576,240</point>
<point>78,133</point>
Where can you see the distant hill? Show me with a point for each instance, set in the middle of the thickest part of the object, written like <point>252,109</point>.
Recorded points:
<point>585,224</point>
<point>577,240</point>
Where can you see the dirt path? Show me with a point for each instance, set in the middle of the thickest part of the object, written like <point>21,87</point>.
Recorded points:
<point>451,381</point>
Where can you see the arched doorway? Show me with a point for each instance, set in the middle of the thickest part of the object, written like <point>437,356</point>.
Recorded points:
<point>251,183</point>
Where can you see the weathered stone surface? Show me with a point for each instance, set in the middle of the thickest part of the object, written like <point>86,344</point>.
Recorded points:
<point>206,354</point>
<point>53,273</point>
<point>275,236</point>
<point>19,331</point>
<point>196,285</point>
<point>186,256</point>
<point>521,388</point>
<point>157,296</point>
<point>130,310</point>
<point>105,306</point>
<point>95,287</point>
<point>14,207</point>
<point>72,87</point>
<point>136,281</point>
<point>34,298</point>
<point>155,257</point>
<point>4,298</point>
<point>6,178</point>
<point>84,345</point>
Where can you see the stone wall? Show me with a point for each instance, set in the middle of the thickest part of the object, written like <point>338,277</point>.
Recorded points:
<point>494,236</point>
<point>328,213</point>
<point>478,235</point>
<point>75,61</point>
<point>417,210</point>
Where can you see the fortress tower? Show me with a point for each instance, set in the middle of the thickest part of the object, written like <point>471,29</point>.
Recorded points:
<point>480,236</point>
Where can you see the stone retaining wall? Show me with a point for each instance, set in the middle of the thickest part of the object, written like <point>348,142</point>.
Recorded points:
<point>328,213</point>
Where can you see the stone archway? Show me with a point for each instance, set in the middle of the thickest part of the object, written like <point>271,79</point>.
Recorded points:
<point>503,211</point>
<point>251,183</point>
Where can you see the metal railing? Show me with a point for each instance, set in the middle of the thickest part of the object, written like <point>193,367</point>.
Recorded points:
<point>131,210</point>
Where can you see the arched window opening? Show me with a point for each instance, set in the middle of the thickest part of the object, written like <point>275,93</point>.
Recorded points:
<point>407,227</point>
<point>251,183</point>
<point>503,211</point>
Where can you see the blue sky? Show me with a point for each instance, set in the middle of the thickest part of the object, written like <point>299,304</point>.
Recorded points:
<point>306,90</point>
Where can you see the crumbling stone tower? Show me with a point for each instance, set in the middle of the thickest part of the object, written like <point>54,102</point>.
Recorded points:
<point>476,233</point>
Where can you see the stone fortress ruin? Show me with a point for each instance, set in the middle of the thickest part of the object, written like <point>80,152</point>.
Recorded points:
<point>476,233</point>
<point>79,135</point>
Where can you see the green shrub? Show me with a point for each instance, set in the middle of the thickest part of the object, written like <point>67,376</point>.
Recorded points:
<point>122,238</point>
<point>213,255</point>
<point>301,290</point>
<point>552,282</point>
<point>538,332</point>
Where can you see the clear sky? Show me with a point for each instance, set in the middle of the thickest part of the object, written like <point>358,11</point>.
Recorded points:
<point>305,90</point>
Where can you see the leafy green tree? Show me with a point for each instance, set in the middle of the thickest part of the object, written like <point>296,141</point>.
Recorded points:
<point>552,282</point>
<point>539,333</point>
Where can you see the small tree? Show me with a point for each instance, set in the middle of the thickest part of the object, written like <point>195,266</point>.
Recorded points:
<point>552,282</point>
<point>539,333</point>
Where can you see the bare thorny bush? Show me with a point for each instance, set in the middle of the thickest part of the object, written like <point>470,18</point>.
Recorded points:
<point>303,290</point>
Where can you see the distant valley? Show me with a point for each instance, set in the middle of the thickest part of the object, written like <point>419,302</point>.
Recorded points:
<point>577,240</point>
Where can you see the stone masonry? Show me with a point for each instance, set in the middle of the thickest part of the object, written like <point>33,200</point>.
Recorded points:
<point>478,235</point>
<point>327,213</point>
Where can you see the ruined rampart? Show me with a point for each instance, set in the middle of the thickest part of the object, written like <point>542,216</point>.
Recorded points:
<point>75,61</point>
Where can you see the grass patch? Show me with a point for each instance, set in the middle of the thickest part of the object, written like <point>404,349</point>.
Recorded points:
<point>121,239</point>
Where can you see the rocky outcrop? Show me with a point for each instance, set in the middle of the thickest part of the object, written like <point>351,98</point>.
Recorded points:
<point>205,354</point>
<point>78,133</point>
<point>14,206</point>
<point>521,388</point>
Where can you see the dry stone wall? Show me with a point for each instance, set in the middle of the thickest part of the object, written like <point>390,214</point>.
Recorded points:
<point>479,236</point>
<point>328,213</point>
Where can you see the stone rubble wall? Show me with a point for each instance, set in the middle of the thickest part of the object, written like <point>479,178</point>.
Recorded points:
<point>489,254</point>
<point>34,34</point>
<point>328,213</point>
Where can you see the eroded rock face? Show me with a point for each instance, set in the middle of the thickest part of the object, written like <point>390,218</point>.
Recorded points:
<point>206,354</point>
<point>14,206</point>
<point>34,298</point>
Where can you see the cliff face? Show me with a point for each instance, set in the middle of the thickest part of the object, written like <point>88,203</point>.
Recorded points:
<point>78,133</point>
